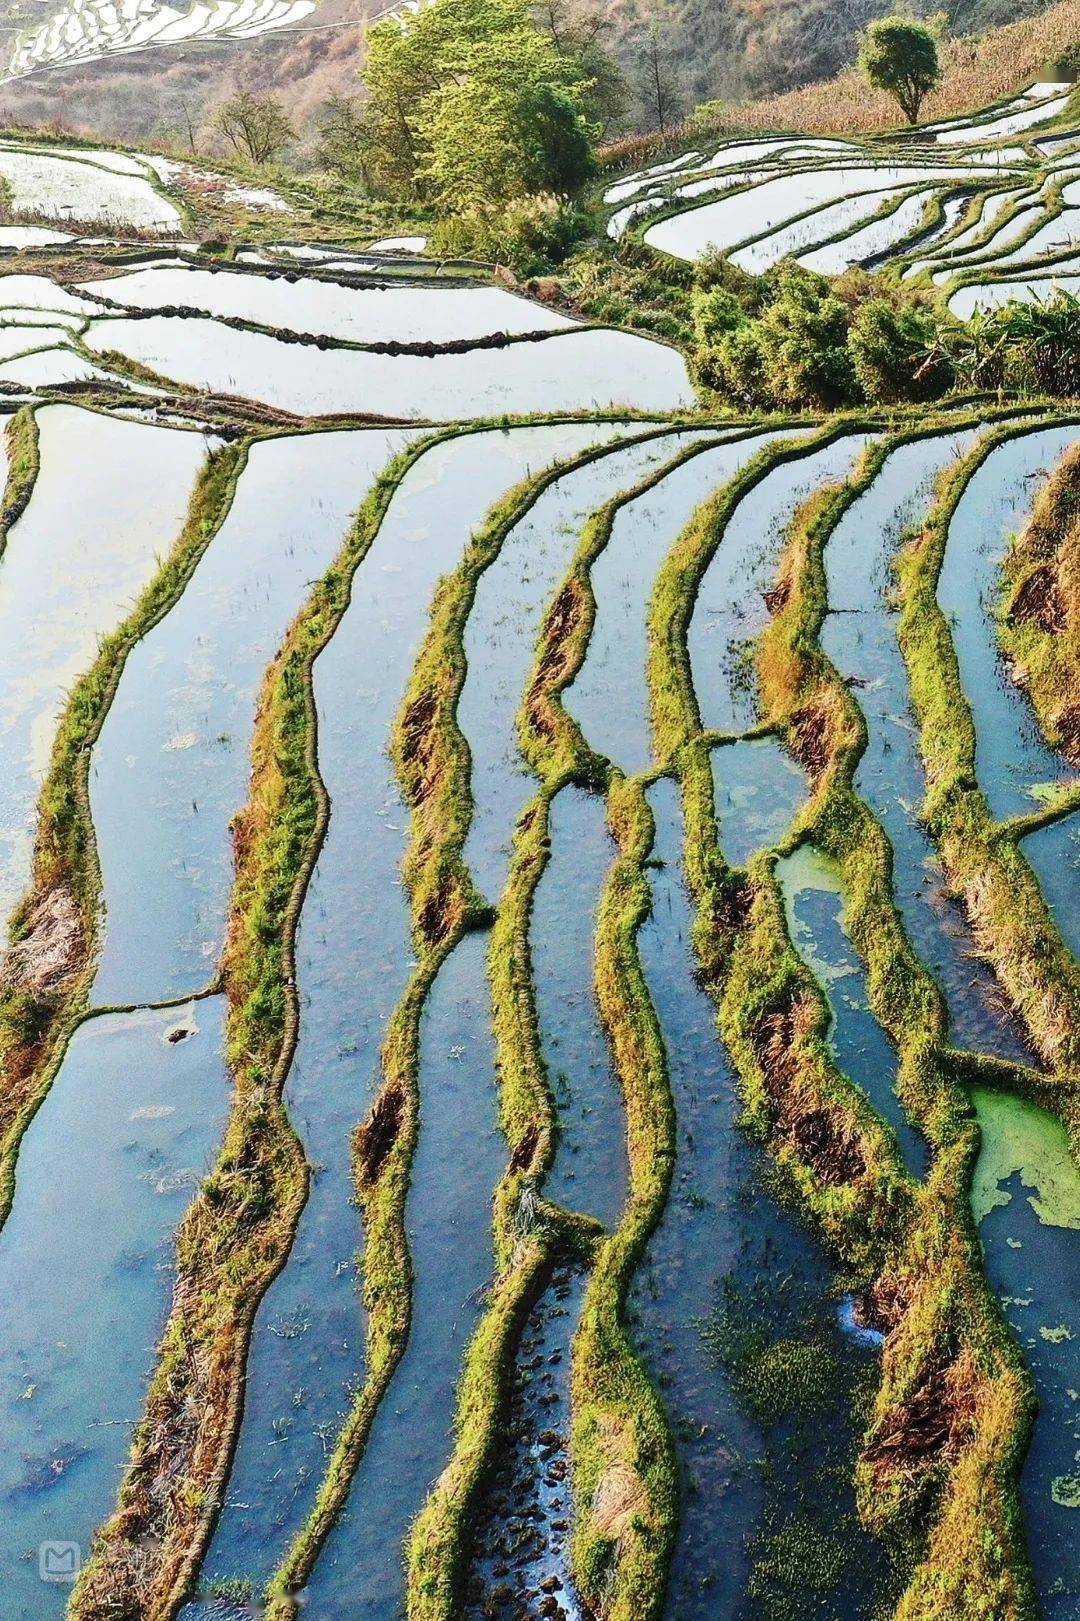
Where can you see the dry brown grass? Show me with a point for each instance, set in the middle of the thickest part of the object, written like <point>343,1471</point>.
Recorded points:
<point>975,73</point>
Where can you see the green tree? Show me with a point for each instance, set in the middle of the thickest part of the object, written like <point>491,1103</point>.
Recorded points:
<point>900,56</point>
<point>256,127</point>
<point>508,125</point>
<point>470,103</point>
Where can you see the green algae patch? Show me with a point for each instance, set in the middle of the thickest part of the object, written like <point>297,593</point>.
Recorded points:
<point>1020,1138</point>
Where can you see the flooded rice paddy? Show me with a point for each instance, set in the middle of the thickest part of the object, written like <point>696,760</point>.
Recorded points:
<point>759,1345</point>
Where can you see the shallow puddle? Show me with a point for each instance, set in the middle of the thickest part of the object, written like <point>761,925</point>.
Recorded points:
<point>521,1561</point>
<point>69,576</point>
<point>108,1166</point>
<point>1026,1199</point>
<point>757,788</point>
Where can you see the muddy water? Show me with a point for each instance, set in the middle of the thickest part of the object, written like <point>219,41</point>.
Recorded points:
<point>75,1309</point>
<point>622,580</point>
<point>730,608</point>
<point>859,636</point>
<point>731,1280</point>
<point>69,576</point>
<point>590,1168</point>
<point>354,957</point>
<point>521,1557</point>
<point>171,767</point>
<point>813,898</point>
<point>1026,1199</point>
<point>500,641</point>
<point>570,371</point>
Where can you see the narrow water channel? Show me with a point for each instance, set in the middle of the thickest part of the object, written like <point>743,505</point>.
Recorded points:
<point>590,1169</point>
<point>813,898</point>
<point>521,1563</point>
<point>1011,758</point>
<point>859,636</point>
<point>730,609</point>
<point>732,1287</point>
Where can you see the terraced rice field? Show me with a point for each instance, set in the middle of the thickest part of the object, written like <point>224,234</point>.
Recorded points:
<point>984,207</point>
<point>541,1015</point>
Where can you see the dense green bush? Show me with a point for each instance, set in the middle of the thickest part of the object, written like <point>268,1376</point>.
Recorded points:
<point>896,353</point>
<point>532,234</point>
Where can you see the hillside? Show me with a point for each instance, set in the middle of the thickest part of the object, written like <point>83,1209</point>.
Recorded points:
<point>303,64</point>
<point>776,59</point>
<point>976,71</point>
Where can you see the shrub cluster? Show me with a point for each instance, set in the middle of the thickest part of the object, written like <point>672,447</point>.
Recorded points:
<point>799,340</point>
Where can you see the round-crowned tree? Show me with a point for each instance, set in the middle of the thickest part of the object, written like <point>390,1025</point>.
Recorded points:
<point>900,56</point>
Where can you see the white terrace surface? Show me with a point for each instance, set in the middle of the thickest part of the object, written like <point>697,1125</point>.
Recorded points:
<point>87,30</point>
<point>962,199</point>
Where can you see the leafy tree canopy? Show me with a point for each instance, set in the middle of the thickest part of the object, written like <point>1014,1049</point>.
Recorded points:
<point>470,105</point>
<point>256,127</point>
<point>900,56</point>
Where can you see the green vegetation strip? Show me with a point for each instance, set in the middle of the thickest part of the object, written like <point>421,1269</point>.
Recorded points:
<point>50,961</point>
<point>236,1234</point>
<point>947,1345</point>
<point>833,1157</point>
<point>23,466</point>
<point>982,858</point>
<point>433,765</point>
<point>529,1230</point>
<point>1039,622</point>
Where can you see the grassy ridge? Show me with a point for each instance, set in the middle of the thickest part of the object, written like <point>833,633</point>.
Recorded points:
<point>1039,621</point>
<point>23,466</point>
<point>624,1458</point>
<point>844,1173</point>
<point>948,1336</point>
<point>236,1233</point>
<point>982,859</point>
<point>53,931</point>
